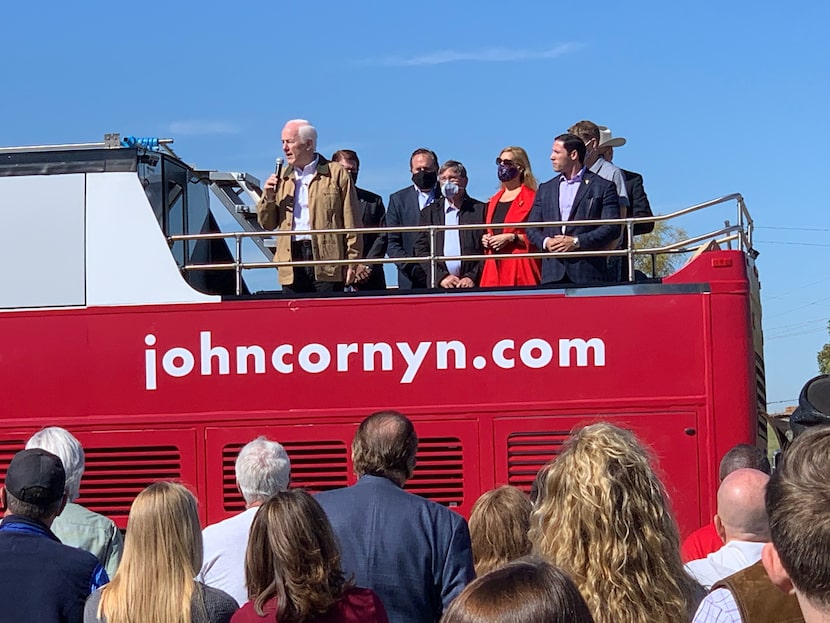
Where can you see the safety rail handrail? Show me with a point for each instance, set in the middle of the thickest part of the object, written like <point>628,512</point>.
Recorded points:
<point>741,232</point>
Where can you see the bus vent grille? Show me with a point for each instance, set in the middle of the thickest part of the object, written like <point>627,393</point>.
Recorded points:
<point>115,476</point>
<point>527,452</point>
<point>315,466</point>
<point>761,397</point>
<point>8,448</point>
<point>439,472</point>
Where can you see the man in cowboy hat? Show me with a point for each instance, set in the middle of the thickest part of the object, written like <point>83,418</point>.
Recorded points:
<point>638,200</point>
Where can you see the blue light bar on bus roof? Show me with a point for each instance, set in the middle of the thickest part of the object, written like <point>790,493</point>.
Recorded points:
<point>139,141</point>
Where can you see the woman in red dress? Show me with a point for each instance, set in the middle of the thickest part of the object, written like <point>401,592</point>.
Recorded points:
<point>292,569</point>
<point>511,204</point>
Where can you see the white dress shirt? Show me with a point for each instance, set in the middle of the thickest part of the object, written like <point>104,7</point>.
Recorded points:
<point>729,559</point>
<point>452,239</point>
<point>302,179</point>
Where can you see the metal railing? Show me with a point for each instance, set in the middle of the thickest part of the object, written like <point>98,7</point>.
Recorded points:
<point>741,233</point>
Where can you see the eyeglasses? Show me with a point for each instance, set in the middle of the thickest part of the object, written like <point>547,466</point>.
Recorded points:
<point>505,162</point>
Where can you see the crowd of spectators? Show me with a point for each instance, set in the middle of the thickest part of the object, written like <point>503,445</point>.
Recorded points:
<point>314,193</point>
<point>595,542</point>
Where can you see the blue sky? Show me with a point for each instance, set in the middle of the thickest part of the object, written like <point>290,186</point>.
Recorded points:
<point>713,97</point>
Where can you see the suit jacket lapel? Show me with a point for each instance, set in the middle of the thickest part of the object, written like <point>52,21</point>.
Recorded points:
<point>557,212</point>
<point>580,194</point>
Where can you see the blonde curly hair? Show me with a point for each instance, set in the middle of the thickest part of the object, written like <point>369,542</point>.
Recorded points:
<point>605,519</point>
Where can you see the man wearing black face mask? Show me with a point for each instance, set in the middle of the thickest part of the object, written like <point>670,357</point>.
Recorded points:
<point>367,276</point>
<point>405,208</point>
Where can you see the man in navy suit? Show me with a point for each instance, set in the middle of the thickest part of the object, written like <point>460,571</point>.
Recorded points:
<point>415,554</point>
<point>575,194</point>
<point>404,210</point>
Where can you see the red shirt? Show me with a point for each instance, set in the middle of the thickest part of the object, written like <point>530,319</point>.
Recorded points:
<point>700,543</point>
<point>358,605</point>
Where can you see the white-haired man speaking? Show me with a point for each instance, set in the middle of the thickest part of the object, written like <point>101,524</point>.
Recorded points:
<point>311,194</point>
<point>262,469</point>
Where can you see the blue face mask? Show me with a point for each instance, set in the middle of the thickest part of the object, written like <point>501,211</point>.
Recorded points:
<point>450,189</point>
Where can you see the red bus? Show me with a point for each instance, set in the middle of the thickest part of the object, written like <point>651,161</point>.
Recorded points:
<point>165,373</point>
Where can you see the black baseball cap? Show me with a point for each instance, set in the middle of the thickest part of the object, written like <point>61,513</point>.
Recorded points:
<point>36,476</point>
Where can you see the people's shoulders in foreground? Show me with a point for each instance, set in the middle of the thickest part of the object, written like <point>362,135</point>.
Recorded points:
<point>92,532</point>
<point>700,543</point>
<point>719,606</point>
<point>358,605</point>
<point>219,607</point>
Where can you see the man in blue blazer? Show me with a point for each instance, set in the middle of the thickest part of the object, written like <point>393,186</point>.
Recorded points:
<point>404,210</point>
<point>575,194</point>
<point>415,554</point>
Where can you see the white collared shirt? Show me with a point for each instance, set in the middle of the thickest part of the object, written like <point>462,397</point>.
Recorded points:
<point>452,238</point>
<point>302,179</point>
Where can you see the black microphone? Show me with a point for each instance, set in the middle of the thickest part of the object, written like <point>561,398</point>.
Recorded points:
<point>278,173</point>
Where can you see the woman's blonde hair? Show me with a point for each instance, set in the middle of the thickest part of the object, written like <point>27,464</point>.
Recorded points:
<point>604,517</point>
<point>499,523</point>
<point>293,557</point>
<point>521,158</point>
<point>162,555</point>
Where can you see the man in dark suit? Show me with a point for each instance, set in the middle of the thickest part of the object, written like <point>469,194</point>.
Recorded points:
<point>415,554</point>
<point>368,276</point>
<point>454,207</point>
<point>639,207</point>
<point>575,194</point>
<point>404,210</point>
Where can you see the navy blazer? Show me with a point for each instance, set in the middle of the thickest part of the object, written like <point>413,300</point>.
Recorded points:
<point>405,211</point>
<point>596,199</point>
<point>470,213</point>
<point>415,554</point>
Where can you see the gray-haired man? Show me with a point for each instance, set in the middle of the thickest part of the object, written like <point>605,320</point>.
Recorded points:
<point>262,469</point>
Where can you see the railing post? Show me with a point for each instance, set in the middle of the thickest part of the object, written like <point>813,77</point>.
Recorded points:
<point>432,271</point>
<point>629,229</point>
<point>727,225</point>
<point>238,267</point>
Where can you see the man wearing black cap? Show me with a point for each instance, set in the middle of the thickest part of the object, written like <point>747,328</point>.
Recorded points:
<point>40,578</point>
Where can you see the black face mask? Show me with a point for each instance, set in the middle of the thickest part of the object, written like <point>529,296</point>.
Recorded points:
<point>425,180</point>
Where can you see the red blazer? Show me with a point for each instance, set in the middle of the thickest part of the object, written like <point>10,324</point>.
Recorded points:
<point>358,605</point>
<point>521,272</point>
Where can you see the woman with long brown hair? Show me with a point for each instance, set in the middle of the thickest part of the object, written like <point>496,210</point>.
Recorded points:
<point>604,517</point>
<point>162,555</point>
<point>511,204</point>
<point>292,568</point>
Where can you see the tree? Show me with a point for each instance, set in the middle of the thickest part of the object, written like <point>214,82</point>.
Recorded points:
<point>665,263</point>
<point>823,356</point>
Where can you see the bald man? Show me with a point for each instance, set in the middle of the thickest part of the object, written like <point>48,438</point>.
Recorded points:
<point>742,524</point>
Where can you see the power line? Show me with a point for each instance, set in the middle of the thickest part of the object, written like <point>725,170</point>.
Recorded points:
<point>795,244</point>
<point>789,311</point>
<point>796,289</point>
<point>793,228</point>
